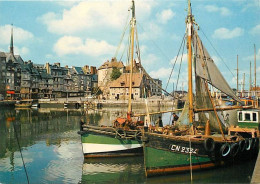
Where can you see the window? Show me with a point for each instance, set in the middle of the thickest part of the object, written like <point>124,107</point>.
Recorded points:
<point>254,116</point>
<point>249,103</point>
<point>136,93</point>
<point>240,116</point>
<point>113,93</point>
<point>247,117</point>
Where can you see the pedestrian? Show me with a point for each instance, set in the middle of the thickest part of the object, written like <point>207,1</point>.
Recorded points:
<point>159,122</point>
<point>174,118</point>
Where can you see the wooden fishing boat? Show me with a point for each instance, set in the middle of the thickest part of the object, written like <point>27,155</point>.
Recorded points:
<point>123,138</point>
<point>23,103</point>
<point>200,139</point>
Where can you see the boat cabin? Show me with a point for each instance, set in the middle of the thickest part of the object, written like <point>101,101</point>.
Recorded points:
<point>248,118</point>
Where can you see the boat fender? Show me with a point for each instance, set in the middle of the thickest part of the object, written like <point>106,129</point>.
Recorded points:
<point>225,149</point>
<point>120,134</point>
<point>253,143</point>
<point>256,142</point>
<point>242,145</point>
<point>209,144</point>
<point>81,132</point>
<point>234,149</point>
<point>248,143</point>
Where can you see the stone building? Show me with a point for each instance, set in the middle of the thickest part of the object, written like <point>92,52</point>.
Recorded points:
<point>119,88</point>
<point>105,70</point>
<point>156,89</point>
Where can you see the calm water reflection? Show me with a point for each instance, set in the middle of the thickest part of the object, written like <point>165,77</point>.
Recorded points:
<point>52,152</point>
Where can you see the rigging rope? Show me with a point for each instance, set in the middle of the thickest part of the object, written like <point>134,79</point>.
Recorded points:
<point>217,52</point>
<point>123,34</point>
<point>156,45</point>
<point>180,67</point>
<point>183,40</point>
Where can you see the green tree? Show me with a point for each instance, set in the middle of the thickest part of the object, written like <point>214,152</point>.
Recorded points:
<point>115,74</point>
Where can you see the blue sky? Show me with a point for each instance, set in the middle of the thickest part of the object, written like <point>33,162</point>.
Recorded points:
<point>78,33</point>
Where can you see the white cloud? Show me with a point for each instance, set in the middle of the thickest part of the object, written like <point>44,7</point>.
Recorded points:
<point>224,33</point>
<point>161,73</point>
<point>184,59</point>
<point>149,60</point>
<point>152,31</point>
<point>20,35</point>
<point>253,4</point>
<point>75,45</point>
<point>252,57</point>
<point>93,14</point>
<point>255,30</point>
<point>222,10</point>
<point>164,16</point>
<point>21,51</point>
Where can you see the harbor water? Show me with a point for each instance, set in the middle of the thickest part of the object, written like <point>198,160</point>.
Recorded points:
<point>52,153</point>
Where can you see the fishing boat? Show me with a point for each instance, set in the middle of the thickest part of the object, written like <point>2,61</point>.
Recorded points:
<point>200,138</point>
<point>23,103</point>
<point>123,138</point>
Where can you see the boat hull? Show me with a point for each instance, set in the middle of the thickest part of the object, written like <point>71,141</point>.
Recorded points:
<point>99,145</point>
<point>163,155</point>
<point>173,154</point>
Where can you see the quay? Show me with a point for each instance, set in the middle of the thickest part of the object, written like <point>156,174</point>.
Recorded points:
<point>7,103</point>
<point>256,174</point>
<point>80,102</point>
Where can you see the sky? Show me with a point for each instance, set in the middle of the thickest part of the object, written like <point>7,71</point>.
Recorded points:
<point>78,33</point>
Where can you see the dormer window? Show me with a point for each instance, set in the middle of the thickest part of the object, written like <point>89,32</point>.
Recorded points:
<point>122,83</point>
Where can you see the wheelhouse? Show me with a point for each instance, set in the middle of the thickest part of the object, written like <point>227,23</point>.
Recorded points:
<point>248,116</point>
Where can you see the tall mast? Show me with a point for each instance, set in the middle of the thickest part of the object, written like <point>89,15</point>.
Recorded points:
<point>132,22</point>
<point>243,87</point>
<point>250,81</point>
<point>189,22</point>
<point>255,69</point>
<point>237,75</point>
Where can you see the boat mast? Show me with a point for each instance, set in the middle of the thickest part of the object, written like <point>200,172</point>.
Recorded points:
<point>237,76</point>
<point>132,22</point>
<point>250,82</point>
<point>243,87</point>
<point>189,22</point>
<point>255,69</point>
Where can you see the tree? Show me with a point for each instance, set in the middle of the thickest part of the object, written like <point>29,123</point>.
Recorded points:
<point>115,74</point>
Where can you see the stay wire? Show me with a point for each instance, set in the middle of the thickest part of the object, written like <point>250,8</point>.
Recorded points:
<point>155,44</point>
<point>183,39</point>
<point>217,53</point>
<point>123,34</point>
<point>15,132</point>
<point>180,67</point>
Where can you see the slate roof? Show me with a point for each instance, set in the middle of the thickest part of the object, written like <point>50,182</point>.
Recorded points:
<point>79,70</point>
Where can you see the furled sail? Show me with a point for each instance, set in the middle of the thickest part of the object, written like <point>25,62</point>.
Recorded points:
<point>206,68</point>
